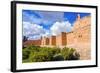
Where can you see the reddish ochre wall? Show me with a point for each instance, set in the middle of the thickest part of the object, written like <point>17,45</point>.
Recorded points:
<point>32,42</point>
<point>70,38</point>
<point>53,40</point>
<point>58,41</point>
<point>61,40</point>
<point>63,37</point>
<point>79,38</point>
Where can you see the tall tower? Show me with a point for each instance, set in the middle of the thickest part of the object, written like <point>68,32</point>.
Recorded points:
<point>78,17</point>
<point>77,22</point>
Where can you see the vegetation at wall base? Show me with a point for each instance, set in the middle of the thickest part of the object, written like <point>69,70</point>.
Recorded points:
<point>45,54</point>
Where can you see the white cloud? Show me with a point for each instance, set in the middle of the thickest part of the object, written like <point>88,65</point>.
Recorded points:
<point>32,30</point>
<point>34,37</point>
<point>59,27</point>
<point>46,17</point>
<point>35,31</point>
<point>47,33</point>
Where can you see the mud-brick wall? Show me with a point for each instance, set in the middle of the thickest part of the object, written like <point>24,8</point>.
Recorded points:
<point>58,41</point>
<point>42,41</point>
<point>83,35</point>
<point>32,42</point>
<point>80,39</point>
<point>70,38</point>
<point>52,41</point>
<point>61,40</point>
<point>63,37</point>
<point>47,41</point>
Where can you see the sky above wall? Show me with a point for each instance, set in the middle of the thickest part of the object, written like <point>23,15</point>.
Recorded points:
<point>47,23</point>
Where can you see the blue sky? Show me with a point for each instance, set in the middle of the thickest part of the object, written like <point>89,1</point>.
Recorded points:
<point>47,23</point>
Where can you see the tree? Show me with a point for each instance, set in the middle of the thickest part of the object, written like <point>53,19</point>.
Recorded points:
<point>25,38</point>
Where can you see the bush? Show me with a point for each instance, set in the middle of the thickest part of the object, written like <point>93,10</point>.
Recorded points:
<point>64,52</point>
<point>42,54</point>
<point>70,54</point>
<point>25,54</point>
<point>75,56</point>
<point>50,51</point>
<point>67,53</point>
<point>55,50</point>
<point>33,48</point>
<point>41,57</point>
<point>58,57</point>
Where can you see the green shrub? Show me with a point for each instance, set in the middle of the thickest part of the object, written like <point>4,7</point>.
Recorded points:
<point>26,61</point>
<point>55,50</point>
<point>50,51</point>
<point>75,56</point>
<point>42,54</point>
<point>33,48</point>
<point>41,57</point>
<point>67,53</point>
<point>25,54</point>
<point>64,52</point>
<point>70,54</point>
<point>58,57</point>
